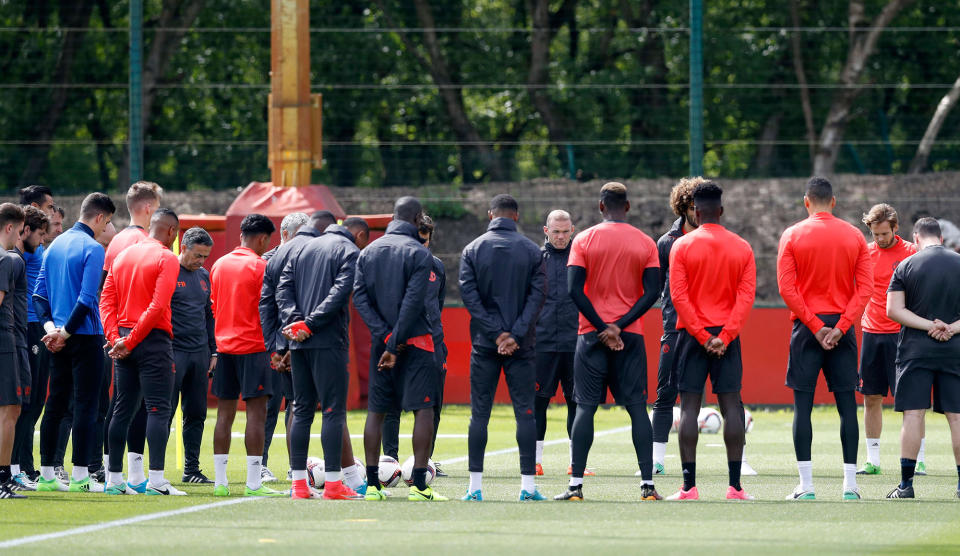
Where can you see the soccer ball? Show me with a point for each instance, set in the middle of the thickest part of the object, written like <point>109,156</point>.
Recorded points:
<point>675,426</point>
<point>389,472</point>
<point>710,421</point>
<point>315,477</point>
<point>407,471</point>
<point>747,420</point>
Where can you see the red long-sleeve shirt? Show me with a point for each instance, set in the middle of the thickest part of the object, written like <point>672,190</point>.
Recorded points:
<point>131,235</point>
<point>713,281</point>
<point>235,283</point>
<point>885,261</point>
<point>137,292</point>
<point>823,267</point>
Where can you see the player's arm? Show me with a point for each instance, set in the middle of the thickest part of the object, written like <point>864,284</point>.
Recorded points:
<point>414,297</point>
<point>470,294</point>
<point>746,292</point>
<point>338,296</point>
<point>442,290</point>
<point>88,300</point>
<point>368,312</point>
<point>108,310</point>
<point>576,282</point>
<point>7,282</point>
<point>680,294</point>
<point>269,305</point>
<point>787,284</point>
<point>210,323</point>
<point>651,280</point>
<point>663,254</point>
<point>863,274</point>
<point>162,293</point>
<point>897,311</point>
<point>532,302</point>
<point>41,303</point>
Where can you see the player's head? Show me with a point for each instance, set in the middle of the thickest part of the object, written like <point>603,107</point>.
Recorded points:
<point>558,229</point>
<point>195,247</point>
<point>883,223</point>
<point>504,206</point>
<point>96,211</point>
<point>36,223</point>
<point>426,230</point>
<point>143,198</point>
<point>927,232</point>
<point>818,196</point>
<point>255,232</point>
<point>613,201</point>
<point>360,230</point>
<point>39,196</point>
<point>107,236</point>
<point>56,223</point>
<point>11,224</point>
<point>708,202</point>
<point>290,224</point>
<point>164,226</point>
<point>408,209</point>
<point>321,219</point>
<point>681,199</point>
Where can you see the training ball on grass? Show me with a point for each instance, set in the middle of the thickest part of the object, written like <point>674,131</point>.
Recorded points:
<point>315,475</point>
<point>710,421</point>
<point>747,420</point>
<point>407,470</point>
<point>389,471</point>
<point>675,425</point>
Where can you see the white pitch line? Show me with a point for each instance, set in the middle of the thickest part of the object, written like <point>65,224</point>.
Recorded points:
<point>545,444</point>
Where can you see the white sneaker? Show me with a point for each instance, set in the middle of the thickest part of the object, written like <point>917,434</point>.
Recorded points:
<point>266,476</point>
<point>746,470</point>
<point>22,482</point>
<point>800,494</point>
<point>163,489</point>
<point>61,474</point>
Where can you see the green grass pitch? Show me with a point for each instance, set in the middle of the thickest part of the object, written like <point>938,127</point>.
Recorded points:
<point>610,520</point>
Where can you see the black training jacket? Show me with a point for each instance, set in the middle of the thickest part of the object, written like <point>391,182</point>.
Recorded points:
<point>315,287</point>
<point>558,320</point>
<point>390,287</point>
<point>436,295</point>
<point>664,244</point>
<point>276,259</point>
<point>502,285</point>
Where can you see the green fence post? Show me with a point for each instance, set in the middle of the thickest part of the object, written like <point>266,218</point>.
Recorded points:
<point>696,87</point>
<point>136,90</point>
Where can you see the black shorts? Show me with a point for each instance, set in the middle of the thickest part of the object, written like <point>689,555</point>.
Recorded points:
<point>878,364</point>
<point>412,384</point>
<point>320,376</point>
<point>554,368</point>
<point>807,357</point>
<point>11,391</point>
<point>917,378</point>
<point>246,376</point>
<point>694,365</point>
<point>624,372</point>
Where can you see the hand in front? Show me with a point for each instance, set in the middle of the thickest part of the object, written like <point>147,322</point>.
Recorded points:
<point>54,341</point>
<point>823,335</point>
<point>940,331</point>
<point>213,365</point>
<point>611,337</point>
<point>297,331</point>
<point>715,346</point>
<point>387,361</point>
<point>119,350</point>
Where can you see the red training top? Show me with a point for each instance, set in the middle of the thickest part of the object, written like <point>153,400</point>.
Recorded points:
<point>137,292</point>
<point>614,254</point>
<point>885,261</point>
<point>713,280</point>
<point>130,235</point>
<point>824,268</point>
<point>235,283</point>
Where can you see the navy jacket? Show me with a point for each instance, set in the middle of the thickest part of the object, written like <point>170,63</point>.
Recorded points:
<point>502,285</point>
<point>191,312</point>
<point>390,286</point>
<point>315,287</point>
<point>558,321</point>
<point>664,244</point>
<point>276,260</point>
<point>436,295</point>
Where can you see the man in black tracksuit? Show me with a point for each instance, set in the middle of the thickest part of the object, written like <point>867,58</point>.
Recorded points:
<point>390,291</point>
<point>502,285</point>
<point>194,347</point>
<point>313,296</point>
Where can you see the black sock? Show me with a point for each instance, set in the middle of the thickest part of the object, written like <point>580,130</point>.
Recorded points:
<point>733,467</point>
<point>420,478</point>
<point>689,474</point>
<point>373,476</point>
<point>578,487</point>
<point>907,468</point>
<point>5,474</point>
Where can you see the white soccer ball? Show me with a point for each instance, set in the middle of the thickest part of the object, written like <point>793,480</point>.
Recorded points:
<point>315,477</point>
<point>389,471</point>
<point>710,421</point>
<point>407,471</point>
<point>747,420</point>
<point>675,426</point>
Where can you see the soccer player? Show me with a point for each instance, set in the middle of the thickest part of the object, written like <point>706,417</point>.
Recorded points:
<point>313,294</point>
<point>194,347</point>
<point>614,278</point>
<point>135,304</point>
<point>244,364</point>
<point>556,330</point>
<point>390,289</point>
<point>66,302</point>
<point>13,284</point>
<point>878,351</point>
<point>713,284</point>
<point>436,296</point>
<point>924,298</point>
<point>825,277</point>
<point>30,239</point>
<point>502,283</point>
<point>56,224</point>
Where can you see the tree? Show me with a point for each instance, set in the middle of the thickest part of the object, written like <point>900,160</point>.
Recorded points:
<point>946,104</point>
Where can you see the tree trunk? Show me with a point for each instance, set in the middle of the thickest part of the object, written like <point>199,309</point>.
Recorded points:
<point>862,45</point>
<point>539,76</point>
<point>771,130</point>
<point>802,80</point>
<point>948,101</point>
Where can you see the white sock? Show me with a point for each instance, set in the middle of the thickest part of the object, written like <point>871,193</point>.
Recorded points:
<point>539,451</point>
<point>106,461</point>
<point>14,469</point>
<point>220,469</point>
<point>476,481</point>
<point>873,451</point>
<point>576,481</point>
<point>299,474</point>
<point>659,452</point>
<point>806,474</point>
<point>352,477</point>
<point>923,444</point>
<point>528,483</point>
<point>135,468</point>
<point>46,471</point>
<point>331,476</point>
<point>157,478</point>
<point>80,472</point>
<point>114,477</point>
<point>849,476</point>
<point>253,472</point>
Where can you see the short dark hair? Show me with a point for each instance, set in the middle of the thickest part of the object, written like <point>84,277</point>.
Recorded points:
<point>407,209</point>
<point>321,219</point>
<point>613,195</point>
<point>504,202</point>
<point>255,224</point>
<point>708,195</point>
<point>196,236</point>
<point>427,226</point>
<point>96,203</point>
<point>928,227</point>
<point>164,212</point>
<point>819,190</point>
<point>10,213</point>
<point>60,211</point>
<point>34,218</point>
<point>355,222</point>
<point>34,194</point>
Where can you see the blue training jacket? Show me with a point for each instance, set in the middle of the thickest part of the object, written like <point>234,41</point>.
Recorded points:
<point>70,275</point>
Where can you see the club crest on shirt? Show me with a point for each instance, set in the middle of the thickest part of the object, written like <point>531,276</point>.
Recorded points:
<point>433,276</point>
